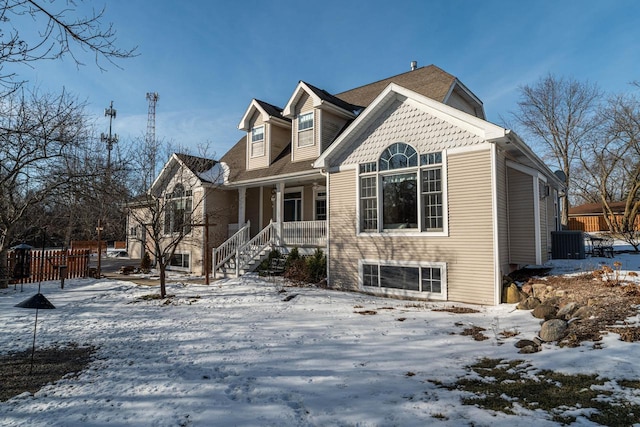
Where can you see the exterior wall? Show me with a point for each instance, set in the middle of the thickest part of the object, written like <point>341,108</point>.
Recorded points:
<point>279,138</point>
<point>331,125</point>
<point>503,213</point>
<point>261,161</point>
<point>456,101</point>
<point>312,151</point>
<point>467,251</point>
<point>521,218</point>
<point>253,209</point>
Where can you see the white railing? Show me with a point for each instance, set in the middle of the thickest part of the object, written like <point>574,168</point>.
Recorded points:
<point>244,250</point>
<point>252,249</point>
<point>304,233</point>
<point>229,248</point>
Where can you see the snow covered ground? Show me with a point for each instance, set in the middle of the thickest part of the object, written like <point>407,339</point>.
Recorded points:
<point>237,353</point>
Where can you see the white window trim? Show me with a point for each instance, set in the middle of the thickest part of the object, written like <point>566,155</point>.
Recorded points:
<point>407,232</point>
<point>310,129</point>
<point>263,141</point>
<point>316,190</point>
<point>403,292</point>
<point>175,268</point>
<point>295,190</point>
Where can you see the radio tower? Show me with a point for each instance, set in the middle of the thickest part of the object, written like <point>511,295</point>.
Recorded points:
<point>152,97</point>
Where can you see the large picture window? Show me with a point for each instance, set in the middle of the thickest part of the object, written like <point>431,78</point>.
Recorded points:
<point>392,278</point>
<point>403,189</point>
<point>177,211</point>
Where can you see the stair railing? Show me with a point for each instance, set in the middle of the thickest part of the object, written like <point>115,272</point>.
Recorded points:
<point>229,248</point>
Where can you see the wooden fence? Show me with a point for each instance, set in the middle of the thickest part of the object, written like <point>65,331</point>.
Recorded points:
<point>593,223</point>
<point>76,261</point>
<point>89,244</point>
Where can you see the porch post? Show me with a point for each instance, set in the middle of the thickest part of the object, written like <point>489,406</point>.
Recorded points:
<point>242,206</point>
<point>279,209</point>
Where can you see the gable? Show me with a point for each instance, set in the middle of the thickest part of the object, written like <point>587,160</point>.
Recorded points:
<point>403,121</point>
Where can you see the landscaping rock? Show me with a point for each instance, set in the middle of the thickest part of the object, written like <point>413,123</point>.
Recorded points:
<point>553,330</point>
<point>527,289</point>
<point>525,343</point>
<point>529,349</point>
<point>544,311</point>
<point>529,304</point>
<point>513,294</point>
<point>566,312</point>
<point>583,313</point>
<point>540,290</point>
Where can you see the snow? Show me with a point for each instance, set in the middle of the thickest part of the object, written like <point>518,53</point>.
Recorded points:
<point>236,353</point>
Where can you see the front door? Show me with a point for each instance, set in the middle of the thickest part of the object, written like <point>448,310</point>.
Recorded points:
<point>293,206</point>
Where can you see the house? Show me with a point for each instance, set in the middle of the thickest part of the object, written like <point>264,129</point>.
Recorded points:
<point>402,182</point>
<point>589,217</point>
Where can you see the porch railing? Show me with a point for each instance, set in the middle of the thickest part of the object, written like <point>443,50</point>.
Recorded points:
<point>229,248</point>
<point>243,250</point>
<point>304,233</point>
<point>252,249</point>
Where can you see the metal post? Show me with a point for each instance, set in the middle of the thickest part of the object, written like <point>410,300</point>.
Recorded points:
<point>99,228</point>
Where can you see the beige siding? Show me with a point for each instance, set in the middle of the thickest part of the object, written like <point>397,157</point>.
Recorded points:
<point>503,214</point>
<point>521,218</point>
<point>305,105</point>
<point>331,125</point>
<point>467,251</point>
<point>456,101</point>
<point>545,238</point>
<point>279,138</point>
<point>261,161</point>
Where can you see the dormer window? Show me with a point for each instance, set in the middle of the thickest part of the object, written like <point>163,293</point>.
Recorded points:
<point>257,141</point>
<point>305,129</point>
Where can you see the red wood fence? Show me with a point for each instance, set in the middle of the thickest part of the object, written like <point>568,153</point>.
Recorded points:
<point>76,260</point>
<point>592,223</point>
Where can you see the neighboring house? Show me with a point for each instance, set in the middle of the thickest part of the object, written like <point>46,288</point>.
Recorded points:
<point>183,204</point>
<point>403,184</point>
<point>589,217</point>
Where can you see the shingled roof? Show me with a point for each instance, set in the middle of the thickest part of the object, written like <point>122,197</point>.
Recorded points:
<point>197,165</point>
<point>429,81</point>
<point>272,110</point>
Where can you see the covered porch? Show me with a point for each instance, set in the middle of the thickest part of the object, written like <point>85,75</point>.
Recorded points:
<point>280,215</point>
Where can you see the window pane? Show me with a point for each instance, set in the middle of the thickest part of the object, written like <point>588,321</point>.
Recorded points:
<point>398,155</point>
<point>257,148</point>
<point>400,201</point>
<point>368,203</point>
<point>431,280</point>
<point>305,138</point>
<point>370,275</point>
<point>432,201</point>
<point>257,134</point>
<point>400,277</point>
<point>305,121</point>
<point>321,209</point>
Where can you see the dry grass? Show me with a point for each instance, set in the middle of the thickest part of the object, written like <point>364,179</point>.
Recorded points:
<point>49,366</point>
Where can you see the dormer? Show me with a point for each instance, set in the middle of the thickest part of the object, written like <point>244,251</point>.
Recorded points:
<point>463,99</point>
<point>268,133</point>
<point>317,117</point>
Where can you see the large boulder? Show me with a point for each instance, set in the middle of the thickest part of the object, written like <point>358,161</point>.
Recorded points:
<point>528,304</point>
<point>583,312</point>
<point>513,294</point>
<point>544,311</point>
<point>553,330</point>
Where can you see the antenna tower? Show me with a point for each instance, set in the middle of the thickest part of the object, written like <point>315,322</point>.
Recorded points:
<point>152,97</point>
<point>109,138</point>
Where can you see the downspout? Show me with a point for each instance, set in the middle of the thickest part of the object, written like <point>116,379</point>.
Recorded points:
<point>497,268</point>
<point>324,173</point>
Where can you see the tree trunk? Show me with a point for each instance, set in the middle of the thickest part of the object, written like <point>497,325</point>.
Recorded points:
<point>163,275</point>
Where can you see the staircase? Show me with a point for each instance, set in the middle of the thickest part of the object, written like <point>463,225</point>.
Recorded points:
<point>240,255</point>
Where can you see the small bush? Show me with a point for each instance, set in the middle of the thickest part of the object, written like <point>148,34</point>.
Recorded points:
<point>145,263</point>
<point>266,263</point>
<point>310,269</point>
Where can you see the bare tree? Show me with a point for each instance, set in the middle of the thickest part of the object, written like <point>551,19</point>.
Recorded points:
<point>55,32</point>
<point>165,214</point>
<point>612,162</point>
<point>38,136</point>
<point>558,115</point>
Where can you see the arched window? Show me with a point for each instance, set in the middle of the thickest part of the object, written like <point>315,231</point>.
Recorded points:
<point>398,155</point>
<point>402,191</point>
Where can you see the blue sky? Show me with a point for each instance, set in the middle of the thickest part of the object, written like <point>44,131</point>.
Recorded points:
<point>208,59</point>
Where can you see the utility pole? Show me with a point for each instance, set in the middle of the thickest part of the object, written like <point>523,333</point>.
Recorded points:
<point>108,138</point>
<point>152,97</point>
<point>99,229</point>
